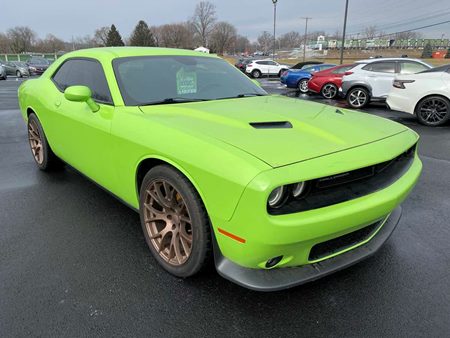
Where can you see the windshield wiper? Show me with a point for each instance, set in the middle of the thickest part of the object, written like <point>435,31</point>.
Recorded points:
<point>241,95</point>
<point>170,100</point>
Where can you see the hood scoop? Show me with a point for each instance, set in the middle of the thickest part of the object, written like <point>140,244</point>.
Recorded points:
<point>271,125</point>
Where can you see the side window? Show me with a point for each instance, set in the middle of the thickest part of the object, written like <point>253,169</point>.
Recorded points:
<point>411,67</point>
<point>82,72</point>
<point>271,63</point>
<point>381,67</point>
<point>59,78</point>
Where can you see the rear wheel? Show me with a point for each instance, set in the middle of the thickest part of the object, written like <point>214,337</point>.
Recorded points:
<point>329,91</point>
<point>256,74</point>
<point>433,111</point>
<point>303,86</point>
<point>174,221</point>
<point>358,97</point>
<point>44,157</point>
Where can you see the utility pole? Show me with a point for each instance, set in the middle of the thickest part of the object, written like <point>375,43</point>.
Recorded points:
<point>306,34</point>
<point>274,26</point>
<point>343,32</point>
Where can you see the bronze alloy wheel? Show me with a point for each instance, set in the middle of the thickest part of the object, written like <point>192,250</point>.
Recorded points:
<point>167,222</point>
<point>35,140</point>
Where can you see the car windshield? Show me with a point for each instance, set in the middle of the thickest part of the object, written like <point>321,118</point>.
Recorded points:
<point>145,80</point>
<point>20,64</point>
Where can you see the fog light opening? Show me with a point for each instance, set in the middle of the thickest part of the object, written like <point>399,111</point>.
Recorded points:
<point>273,261</point>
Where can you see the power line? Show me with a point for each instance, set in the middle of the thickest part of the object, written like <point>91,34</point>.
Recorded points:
<point>417,28</point>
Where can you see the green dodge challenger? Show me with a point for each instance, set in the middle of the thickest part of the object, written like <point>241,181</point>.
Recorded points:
<point>276,191</point>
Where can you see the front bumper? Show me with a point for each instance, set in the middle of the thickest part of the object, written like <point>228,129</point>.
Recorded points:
<point>283,278</point>
<point>293,236</point>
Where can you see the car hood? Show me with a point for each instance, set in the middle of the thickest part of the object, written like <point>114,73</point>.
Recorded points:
<point>311,129</point>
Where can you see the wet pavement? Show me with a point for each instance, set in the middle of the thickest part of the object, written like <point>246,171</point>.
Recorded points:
<point>73,262</point>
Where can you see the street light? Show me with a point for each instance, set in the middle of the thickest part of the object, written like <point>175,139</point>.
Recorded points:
<point>343,33</point>
<point>274,25</point>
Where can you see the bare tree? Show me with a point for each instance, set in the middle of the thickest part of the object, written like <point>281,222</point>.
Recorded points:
<point>177,35</point>
<point>5,44</point>
<point>21,38</point>
<point>242,44</point>
<point>223,37</point>
<point>101,36</point>
<point>370,32</point>
<point>265,41</point>
<point>290,40</point>
<point>51,44</point>
<point>156,31</point>
<point>203,21</point>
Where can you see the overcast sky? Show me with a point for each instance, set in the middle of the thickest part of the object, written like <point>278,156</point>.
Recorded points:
<point>81,17</point>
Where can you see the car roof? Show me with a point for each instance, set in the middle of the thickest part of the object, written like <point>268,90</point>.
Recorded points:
<point>119,52</point>
<point>388,59</point>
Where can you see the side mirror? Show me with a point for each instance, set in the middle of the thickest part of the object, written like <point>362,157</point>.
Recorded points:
<point>81,94</point>
<point>256,82</point>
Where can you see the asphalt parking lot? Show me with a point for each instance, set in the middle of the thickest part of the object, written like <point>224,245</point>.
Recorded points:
<point>74,262</point>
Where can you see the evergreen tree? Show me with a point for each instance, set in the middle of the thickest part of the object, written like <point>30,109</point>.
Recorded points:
<point>142,35</point>
<point>447,56</point>
<point>427,52</point>
<point>114,38</point>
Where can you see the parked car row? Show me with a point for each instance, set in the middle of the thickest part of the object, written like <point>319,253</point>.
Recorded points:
<point>407,85</point>
<point>34,66</point>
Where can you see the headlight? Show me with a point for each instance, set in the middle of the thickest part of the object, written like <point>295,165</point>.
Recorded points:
<point>277,197</point>
<point>282,195</point>
<point>298,189</point>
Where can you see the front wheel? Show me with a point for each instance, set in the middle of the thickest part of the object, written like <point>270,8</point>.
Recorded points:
<point>303,86</point>
<point>44,157</point>
<point>433,111</point>
<point>329,91</point>
<point>18,73</point>
<point>256,74</point>
<point>174,221</point>
<point>358,98</point>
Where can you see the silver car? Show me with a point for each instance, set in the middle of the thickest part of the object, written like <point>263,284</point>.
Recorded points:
<point>17,68</point>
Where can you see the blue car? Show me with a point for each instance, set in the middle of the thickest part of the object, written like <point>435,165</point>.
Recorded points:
<point>298,78</point>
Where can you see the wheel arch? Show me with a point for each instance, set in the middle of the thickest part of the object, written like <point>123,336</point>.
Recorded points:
<point>427,96</point>
<point>149,162</point>
<point>363,85</point>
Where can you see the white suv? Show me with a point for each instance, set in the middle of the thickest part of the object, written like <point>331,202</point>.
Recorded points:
<point>258,68</point>
<point>371,80</point>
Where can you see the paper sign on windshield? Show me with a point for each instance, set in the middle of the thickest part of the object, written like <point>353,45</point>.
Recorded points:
<point>186,82</point>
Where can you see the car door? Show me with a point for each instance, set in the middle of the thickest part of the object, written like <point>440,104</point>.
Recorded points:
<point>274,67</point>
<point>80,136</point>
<point>263,66</point>
<point>380,77</point>
<point>10,68</point>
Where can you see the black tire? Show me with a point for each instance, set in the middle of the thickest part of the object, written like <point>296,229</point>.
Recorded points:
<point>329,91</point>
<point>49,160</point>
<point>256,74</point>
<point>358,97</point>
<point>18,73</point>
<point>303,86</point>
<point>433,111</point>
<point>201,248</point>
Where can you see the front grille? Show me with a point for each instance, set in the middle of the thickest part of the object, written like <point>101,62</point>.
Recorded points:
<point>342,187</point>
<point>341,243</point>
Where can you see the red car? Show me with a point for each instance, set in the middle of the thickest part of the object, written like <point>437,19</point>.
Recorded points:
<point>327,82</point>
